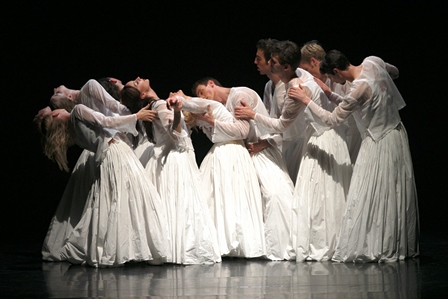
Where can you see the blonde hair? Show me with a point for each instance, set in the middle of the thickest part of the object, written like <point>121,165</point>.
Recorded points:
<point>189,118</point>
<point>55,138</point>
<point>312,49</point>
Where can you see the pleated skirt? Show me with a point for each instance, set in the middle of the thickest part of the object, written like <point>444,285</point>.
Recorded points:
<point>381,222</point>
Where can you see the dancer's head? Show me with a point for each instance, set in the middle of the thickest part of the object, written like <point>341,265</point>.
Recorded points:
<point>55,134</point>
<point>62,98</point>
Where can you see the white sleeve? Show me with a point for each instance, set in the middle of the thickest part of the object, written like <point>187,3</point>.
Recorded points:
<point>238,129</point>
<point>166,117</point>
<point>344,109</point>
<point>290,111</point>
<point>125,123</point>
<point>98,93</point>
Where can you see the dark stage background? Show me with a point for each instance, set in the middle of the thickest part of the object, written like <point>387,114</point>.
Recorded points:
<point>173,44</point>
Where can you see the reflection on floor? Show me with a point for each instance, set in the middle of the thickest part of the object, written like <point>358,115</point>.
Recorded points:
<point>23,274</point>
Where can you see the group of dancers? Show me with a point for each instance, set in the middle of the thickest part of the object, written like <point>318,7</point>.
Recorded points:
<point>317,169</point>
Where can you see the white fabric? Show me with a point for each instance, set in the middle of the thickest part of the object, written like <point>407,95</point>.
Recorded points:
<point>119,215</point>
<point>292,124</point>
<point>230,182</point>
<point>192,237</point>
<point>90,134</point>
<point>322,175</point>
<point>277,189</point>
<point>273,97</point>
<point>144,148</point>
<point>322,185</point>
<point>93,95</point>
<point>381,221</point>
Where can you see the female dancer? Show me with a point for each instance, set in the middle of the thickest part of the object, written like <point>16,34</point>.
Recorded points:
<point>123,215</point>
<point>192,237</point>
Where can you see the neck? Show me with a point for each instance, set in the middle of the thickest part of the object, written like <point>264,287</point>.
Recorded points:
<point>74,95</point>
<point>286,77</point>
<point>273,77</point>
<point>354,72</point>
<point>223,94</point>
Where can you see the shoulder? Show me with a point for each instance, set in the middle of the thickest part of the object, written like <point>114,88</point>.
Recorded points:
<point>246,91</point>
<point>77,111</point>
<point>374,59</point>
<point>158,104</point>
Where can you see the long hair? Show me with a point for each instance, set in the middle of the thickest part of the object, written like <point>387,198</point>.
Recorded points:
<point>130,97</point>
<point>55,138</point>
<point>110,87</point>
<point>190,119</point>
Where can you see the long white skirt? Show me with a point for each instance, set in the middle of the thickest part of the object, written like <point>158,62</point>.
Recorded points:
<point>144,150</point>
<point>321,189</point>
<point>70,207</point>
<point>192,237</point>
<point>123,216</point>
<point>277,191</point>
<point>381,222</point>
<point>231,184</point>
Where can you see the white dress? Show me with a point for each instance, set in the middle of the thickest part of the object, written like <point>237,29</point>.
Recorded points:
<point>321,188</point>
<point>381,222</point>
<point>277,189</point>
<point>144,149</point>
<point>192,237</point>
<point>230,182</point>
<point>83,175</point>
<point>123,214</point>
<point>323,177</point>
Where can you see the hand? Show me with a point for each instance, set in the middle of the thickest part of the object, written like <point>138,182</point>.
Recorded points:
<point>206,116</point>
<point>179,93</point>
<point>244,111</point>
<point>146,115</point>
<point>177,105</point>
<point>298,93</point>
<point>171,101</point>
<point>254,148</point>
<point>324,86</point>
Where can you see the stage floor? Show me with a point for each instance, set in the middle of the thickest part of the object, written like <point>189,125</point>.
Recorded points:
<point>24,275</point>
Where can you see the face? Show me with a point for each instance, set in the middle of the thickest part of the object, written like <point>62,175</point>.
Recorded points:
<point>262,65</point>
<point>276,67</point>
<point>141,84</point>
<point>117,82</point>
<point>60,114</point>
<point>205,91</point>
<point>337,77</point>
<point>61,92</point>
<point>311,67</point>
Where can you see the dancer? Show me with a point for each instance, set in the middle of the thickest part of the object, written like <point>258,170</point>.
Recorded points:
<point>325,167</point>
<point>141,144</point>
<point>230,183</point>
<point>123,215</point>
<point>83,175</point>
<point>192,237</point>
<point>274,90</point>
<point>381,222</point>
<point>276,186</point>
<point>312,55</point>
